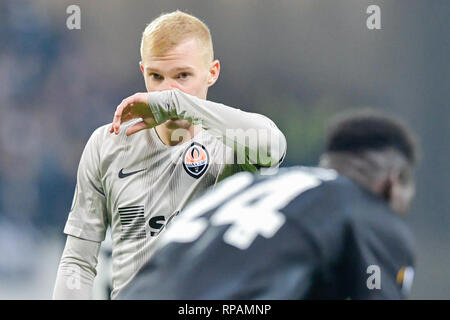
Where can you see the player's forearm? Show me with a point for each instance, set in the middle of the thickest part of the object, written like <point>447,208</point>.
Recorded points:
<point>266,144</point>
<point>76,270</point>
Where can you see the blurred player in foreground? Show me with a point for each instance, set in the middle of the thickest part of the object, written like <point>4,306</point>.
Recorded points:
<point>135,179</point>
<point>306,233</point>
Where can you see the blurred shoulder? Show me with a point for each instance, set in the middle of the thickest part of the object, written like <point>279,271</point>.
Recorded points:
<point>102,134</point>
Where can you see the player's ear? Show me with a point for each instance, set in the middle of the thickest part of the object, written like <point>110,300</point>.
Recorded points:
<point>214,71</point>
<point>392,191</point>
<point>383,187</point>
<point>387,188</point>
<point>141,67</point>
<point>402,192</point>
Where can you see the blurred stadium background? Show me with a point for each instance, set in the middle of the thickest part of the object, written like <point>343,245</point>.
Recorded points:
<point>298,62</point>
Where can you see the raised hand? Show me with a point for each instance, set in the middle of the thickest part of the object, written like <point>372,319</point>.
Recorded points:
<point>135,106</point>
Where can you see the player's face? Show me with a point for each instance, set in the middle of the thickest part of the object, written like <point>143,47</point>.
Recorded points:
<point>183,67</point>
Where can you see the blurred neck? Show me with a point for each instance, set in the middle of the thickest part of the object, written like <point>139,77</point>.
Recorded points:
<point>357,168</point>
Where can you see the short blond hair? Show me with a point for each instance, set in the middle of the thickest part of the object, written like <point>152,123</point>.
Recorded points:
<point>170,29</point>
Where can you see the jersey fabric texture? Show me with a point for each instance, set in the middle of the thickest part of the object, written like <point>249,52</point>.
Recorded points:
<point>136,185</point>
<point>305,233</point>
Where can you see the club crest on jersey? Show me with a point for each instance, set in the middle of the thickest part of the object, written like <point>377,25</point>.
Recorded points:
<point>195,160</point>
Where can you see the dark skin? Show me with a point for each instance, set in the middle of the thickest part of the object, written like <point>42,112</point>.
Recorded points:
<point>385,173</point>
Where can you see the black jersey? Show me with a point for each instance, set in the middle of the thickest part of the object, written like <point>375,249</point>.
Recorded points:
<point>305,233</point>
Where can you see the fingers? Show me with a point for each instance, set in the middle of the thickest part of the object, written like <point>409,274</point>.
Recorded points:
<point>127,115</point>
<point>117,116</point>
<point>141,125</point>
<point>124,111</point>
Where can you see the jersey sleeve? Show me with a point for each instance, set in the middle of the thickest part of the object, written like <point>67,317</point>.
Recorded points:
<point>76,271</point>
<point>88,216</point>
<point>254,137</point>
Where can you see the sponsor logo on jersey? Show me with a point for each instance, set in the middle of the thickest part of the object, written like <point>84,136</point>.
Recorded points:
<point>196,160</point>
<point>158,223</point>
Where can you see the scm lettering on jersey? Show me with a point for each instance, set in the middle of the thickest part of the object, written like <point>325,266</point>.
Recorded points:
<point>196,160</point>
<point>159,222</point>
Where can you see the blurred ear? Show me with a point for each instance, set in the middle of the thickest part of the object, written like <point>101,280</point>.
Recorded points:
<point>214,72</point>
<point>387,188</point>
<point>402,191</point>
<point>142,67</point>
<point>384,186</point>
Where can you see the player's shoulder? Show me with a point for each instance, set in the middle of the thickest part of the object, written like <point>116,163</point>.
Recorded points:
<point>369,216</point>
<point>320,190</point>
<point>311,178</point>
<point>324,195</point>
<point>342,203</point>
<point>101,135</point>
<point>102,142</point>
<point>102,132</point>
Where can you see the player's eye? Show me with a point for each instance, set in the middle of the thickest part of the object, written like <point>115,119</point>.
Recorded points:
<point>156,76</point>
<point>183,75</point>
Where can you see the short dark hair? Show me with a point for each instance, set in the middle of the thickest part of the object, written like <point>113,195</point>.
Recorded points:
<point>367,129</point>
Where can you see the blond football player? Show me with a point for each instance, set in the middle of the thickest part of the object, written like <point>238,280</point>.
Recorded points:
<point>163,149</point>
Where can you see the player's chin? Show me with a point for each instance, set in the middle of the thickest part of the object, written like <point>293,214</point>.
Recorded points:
<point>177,124</point>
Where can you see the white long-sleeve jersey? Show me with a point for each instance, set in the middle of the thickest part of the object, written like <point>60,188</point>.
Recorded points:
<point>137,184</point>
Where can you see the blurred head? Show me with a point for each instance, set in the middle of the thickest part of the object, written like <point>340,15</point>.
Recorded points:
<point>375,150</point>
<point>177,52</point>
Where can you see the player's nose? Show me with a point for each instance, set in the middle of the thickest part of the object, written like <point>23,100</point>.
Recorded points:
<point>169,85</point>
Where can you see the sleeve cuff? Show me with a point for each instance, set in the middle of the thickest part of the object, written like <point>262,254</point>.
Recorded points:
<point>83,234</point>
